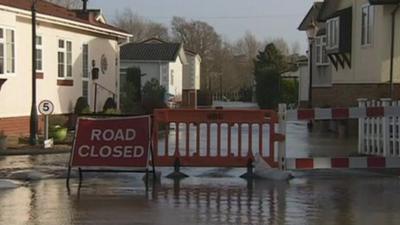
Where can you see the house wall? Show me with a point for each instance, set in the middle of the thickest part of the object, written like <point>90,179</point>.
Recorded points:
<point>322,74</point>
<point>191,72</point>
<point>370,64</point>
<point>176,88</point>
<point>152,70</point>
<point>15,94</point>
<point>160,71</point>
<point>304,83</point>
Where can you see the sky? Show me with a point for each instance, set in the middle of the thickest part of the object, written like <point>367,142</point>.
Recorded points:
<point>267,19</point>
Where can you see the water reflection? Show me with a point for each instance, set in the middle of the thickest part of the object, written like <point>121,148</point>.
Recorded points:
<point>123,200</point>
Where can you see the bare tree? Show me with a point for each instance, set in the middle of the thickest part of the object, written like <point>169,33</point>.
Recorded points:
<point>203,39</point>
<point>281,45</point>
<point>140,28</point>
<point>248,45</point>
<point>70,4</point>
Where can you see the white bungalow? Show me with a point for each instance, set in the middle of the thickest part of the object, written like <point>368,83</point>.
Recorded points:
<point>69,44</point>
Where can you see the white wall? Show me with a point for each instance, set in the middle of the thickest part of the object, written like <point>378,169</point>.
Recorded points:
<point>304,82</point>
<point>15,95</point>
<point>176,88</point>
<point>370,64</point>
<point>152,70</point>
<point>160,71</point>
<point>191,72</point>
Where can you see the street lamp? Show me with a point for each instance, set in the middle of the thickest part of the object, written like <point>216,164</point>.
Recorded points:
<point>311,34</point>
<point>34,116</point>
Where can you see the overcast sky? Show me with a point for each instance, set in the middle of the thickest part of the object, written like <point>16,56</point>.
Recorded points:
<point>231,18</point>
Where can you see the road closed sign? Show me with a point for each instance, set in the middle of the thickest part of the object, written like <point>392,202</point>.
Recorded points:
<point>112,142</point>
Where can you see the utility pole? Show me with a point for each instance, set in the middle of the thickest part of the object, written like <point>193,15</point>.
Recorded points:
<point>34,115</point>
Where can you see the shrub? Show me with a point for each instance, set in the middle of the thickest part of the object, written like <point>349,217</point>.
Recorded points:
<point>81,106</point>
<point>131,91</point>
<point>58,120</point>
<point>109,105</point>
<point>289,91</point>
<point>267,88</point>
<point>111,111</point>
<point>153,96</point>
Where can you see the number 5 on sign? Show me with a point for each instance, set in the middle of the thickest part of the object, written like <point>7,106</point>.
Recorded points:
<point>46,107</point>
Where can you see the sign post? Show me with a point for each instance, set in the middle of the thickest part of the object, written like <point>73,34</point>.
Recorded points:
<point>46,108</point>
<point>117,144</point>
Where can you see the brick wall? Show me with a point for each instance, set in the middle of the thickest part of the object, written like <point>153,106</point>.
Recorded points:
<point>344,95</point>
<point>18,126</point>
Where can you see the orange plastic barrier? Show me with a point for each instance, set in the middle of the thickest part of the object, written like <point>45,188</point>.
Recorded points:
<point>187,123</point>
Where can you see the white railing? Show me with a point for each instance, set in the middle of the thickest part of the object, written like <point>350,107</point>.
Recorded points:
<point>380,135</point>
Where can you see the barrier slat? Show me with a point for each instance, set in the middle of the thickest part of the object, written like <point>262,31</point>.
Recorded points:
<point>208,140</point>
<point>219,140</point>
<point>239,139</point>
<point>177,152</point>
<point>250,139</point>
<point>187,139</point>
<point>260,139</point>
<point>229,139</point>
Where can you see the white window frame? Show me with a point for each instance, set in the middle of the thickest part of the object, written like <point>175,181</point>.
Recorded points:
<point>39,47</point>
<point>367,30</point>
<point>86,79</point>
<point>65,61</point>
<point>320,49</point>
<point>3,40</point>
<point>333,33</point>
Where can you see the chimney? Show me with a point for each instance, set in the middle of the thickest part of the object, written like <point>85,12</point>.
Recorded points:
<point>84,5</point>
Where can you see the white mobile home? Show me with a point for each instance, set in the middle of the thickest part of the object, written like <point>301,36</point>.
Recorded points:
<point>69,44</point>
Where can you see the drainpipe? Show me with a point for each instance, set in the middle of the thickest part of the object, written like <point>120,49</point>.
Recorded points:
<point>392,50</point>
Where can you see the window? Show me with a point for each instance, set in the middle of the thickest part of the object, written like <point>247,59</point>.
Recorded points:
<point>85,89</point>
<point>172,77</point>
<point>320,47</point>
<point>367,20</point>
<point>85,61</point>
<point>39,56</point>
<point>333,33</point>
<point>64,59</point>
<point>7,51</point>
<point>85,71</point>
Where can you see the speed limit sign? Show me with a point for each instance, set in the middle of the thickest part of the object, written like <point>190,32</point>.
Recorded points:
<point>46,107</point>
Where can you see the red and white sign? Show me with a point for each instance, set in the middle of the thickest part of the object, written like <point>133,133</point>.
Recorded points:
<point>112,142</point>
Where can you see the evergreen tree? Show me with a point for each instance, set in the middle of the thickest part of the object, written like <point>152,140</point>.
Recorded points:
<point>268,65</point>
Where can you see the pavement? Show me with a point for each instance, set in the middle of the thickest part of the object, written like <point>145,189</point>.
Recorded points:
<point>36,150</point>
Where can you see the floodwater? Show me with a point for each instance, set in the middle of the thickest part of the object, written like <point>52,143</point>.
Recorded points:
<point>208,196</point>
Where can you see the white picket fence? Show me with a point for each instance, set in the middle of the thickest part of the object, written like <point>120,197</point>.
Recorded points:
<point>379,136</point>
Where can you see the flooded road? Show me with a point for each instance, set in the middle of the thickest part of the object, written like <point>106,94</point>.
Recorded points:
<point>208,196</point>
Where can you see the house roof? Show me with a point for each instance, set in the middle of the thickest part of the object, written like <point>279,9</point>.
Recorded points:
<point>328,8</point>
<point>311,16</point>
<point>151,51</point>
<point>50,9</point>
<point>384,2</point>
